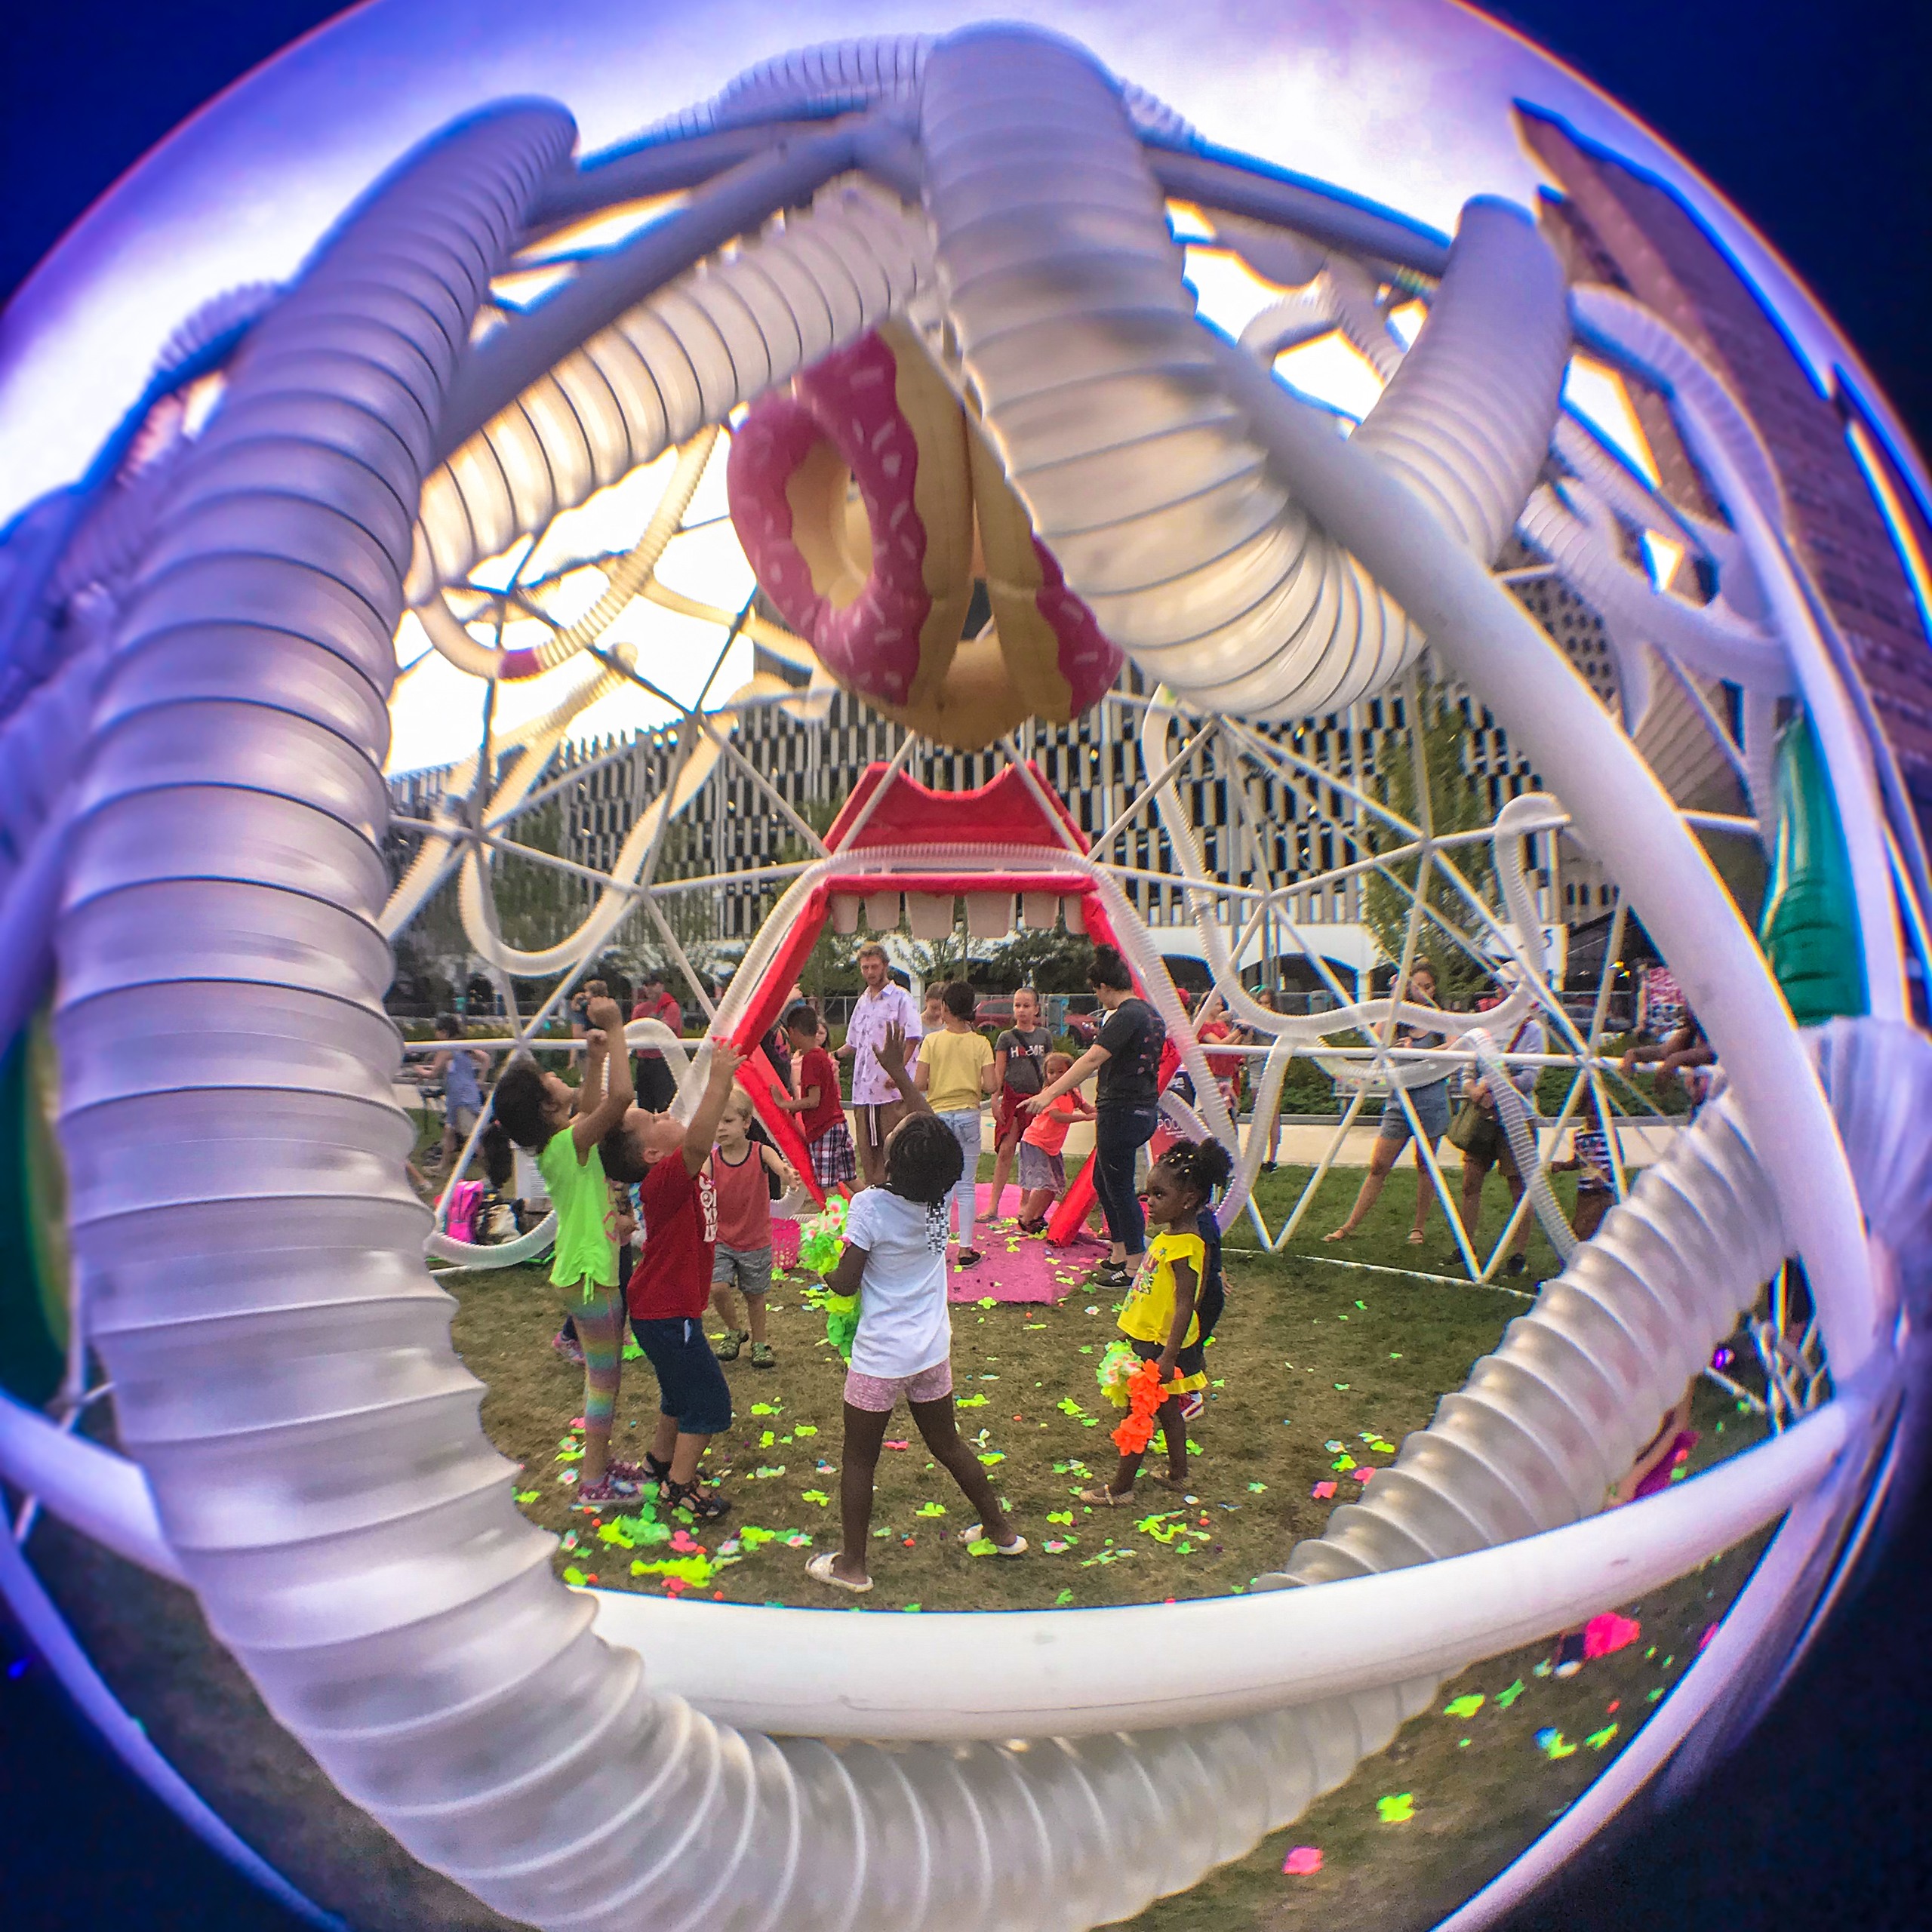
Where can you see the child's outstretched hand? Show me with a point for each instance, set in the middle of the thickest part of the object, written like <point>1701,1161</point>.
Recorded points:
<point>890,1054</point>
<point>605,1016</point>
<point>725,1061</point>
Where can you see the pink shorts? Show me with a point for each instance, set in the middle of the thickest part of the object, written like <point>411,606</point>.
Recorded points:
<point>880,1394</point>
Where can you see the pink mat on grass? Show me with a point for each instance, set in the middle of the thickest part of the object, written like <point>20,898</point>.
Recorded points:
<point>1020,1267</point>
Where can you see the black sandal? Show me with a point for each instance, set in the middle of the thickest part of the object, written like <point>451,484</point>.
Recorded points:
<point>686,1496</point>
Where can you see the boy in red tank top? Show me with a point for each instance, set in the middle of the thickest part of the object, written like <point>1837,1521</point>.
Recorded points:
<point>742,1258</point>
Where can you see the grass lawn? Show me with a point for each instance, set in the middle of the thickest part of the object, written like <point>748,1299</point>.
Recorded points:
<point>1309,1356</point>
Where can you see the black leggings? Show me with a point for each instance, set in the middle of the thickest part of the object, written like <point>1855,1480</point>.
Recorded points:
<point>1119,1134</point>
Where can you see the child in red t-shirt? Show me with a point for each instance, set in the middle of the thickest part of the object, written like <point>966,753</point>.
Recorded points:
<point>670,1288</point>
<point>820,1111</point>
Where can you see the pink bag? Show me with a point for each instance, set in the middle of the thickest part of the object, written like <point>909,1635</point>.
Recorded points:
<point>465,1199</point>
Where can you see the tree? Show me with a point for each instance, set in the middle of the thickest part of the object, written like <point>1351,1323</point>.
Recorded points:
<point>1439,734</point>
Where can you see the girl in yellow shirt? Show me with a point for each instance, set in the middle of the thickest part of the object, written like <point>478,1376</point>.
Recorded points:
<point>955,1073</point>
<point>1158,1318</point>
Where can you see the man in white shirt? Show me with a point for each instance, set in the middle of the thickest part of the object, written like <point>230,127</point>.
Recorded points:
<point>876,1101</point>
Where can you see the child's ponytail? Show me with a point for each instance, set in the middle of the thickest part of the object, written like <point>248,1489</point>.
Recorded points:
<point>1203,1166</point>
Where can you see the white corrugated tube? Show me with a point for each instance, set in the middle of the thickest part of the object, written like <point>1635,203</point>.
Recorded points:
<point>1101,390</point>
<point>281,1362</point>
<point>682,359</point>
<point>837,76</point>
<point>1557,1414</point>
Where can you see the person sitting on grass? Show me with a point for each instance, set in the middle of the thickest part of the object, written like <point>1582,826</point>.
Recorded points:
<point>1042,1163</point>
<point>564,1128</point>
<point>1158,1318</point>
<point>894,1261</point>
<point>738,1166</point>
<point>671,1287</point>
<point>817,1102</point>
<point>1684,1058</point>
<point>957,1070</point>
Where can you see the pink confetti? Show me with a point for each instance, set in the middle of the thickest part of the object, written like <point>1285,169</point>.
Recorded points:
<point>1362,1475</point>
<point>1322,1491</point>
<point>899,1445</point>
<point>1302,1862</point>
<point>1705,1638</point>
<point>1608,1632</point>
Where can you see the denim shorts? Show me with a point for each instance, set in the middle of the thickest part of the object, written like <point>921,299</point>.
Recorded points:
<point>1432,1106</point>
<point>691,1387</point>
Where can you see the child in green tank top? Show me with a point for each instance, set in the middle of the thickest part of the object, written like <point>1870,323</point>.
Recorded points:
<point>562,1126</point>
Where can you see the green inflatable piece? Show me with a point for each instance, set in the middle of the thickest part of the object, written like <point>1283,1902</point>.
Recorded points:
<point>33,1263</point>
<point>1809,929</point>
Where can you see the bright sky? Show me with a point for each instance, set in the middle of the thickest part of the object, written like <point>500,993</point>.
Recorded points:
<point>1404,102</point>
<point>437,710</point>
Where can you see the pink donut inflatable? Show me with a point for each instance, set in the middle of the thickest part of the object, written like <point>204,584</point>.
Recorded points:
<point>858,498</point>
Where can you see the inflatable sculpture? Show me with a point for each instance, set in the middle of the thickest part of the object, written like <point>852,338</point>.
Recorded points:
<point>932,297</point>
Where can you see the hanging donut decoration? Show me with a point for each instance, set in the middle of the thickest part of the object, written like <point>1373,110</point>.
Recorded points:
<point>869,505</point>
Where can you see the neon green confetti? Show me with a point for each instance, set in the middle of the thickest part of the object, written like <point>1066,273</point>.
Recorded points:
<point>913,1609</point>
<point>1061,1602</point>
<point>1504,1699</point>
<point>805,1429</point>
<point>527,1495</point>
<point>1381,1448</point>
<point>573,1577</point>
<point>1257,1489</point>
<point>1598,1740</point>
<point>971,1402</point>
<point>753,1537</point>
<point>1342,1463</point>
<point>990,1456</point>
<point>981,1547</point>
<point>1464,1707</point>
<point>767,1408</point>
<point>817,1496</point>
<point>1059,1515</point>
<point>766,1439</point>
<point>930,1509</point>
<point>695,1570</point>
<point>1397,1809</point>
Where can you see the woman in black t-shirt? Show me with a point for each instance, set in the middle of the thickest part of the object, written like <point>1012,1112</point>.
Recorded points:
<point>1127,1056</point>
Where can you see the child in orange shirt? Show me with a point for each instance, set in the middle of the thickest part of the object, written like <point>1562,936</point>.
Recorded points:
<point>1042,1169</point>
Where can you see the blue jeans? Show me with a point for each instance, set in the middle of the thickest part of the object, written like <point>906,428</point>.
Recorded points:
<point>1119,1133</point>
<point>964,1200</point>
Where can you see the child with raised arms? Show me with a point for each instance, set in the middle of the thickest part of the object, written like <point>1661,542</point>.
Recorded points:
<point>1159,1317</point>
<point>563,1128</point>
<point>894,1261</point>
<point>739,1167</point>
<point>956,1072</point>
<point>671,1286</point>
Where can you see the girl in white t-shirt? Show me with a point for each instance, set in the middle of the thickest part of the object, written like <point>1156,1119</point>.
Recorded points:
<point>894,1261</point>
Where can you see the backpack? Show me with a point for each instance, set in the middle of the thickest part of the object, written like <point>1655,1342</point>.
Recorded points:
<point>460,1224</point>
